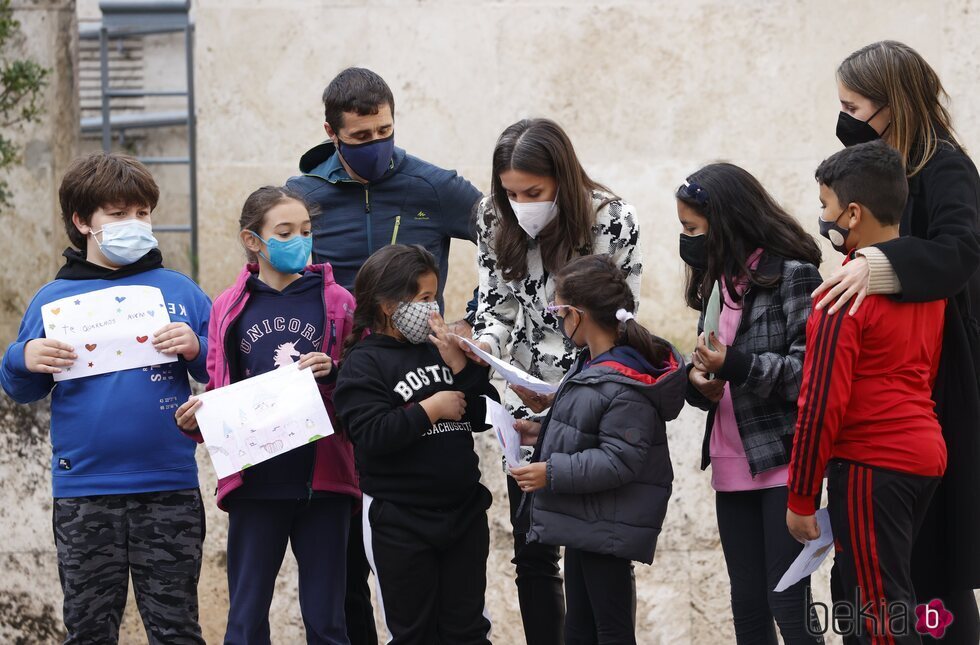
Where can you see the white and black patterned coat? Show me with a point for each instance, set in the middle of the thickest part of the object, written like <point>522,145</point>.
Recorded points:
<point>511,315</point>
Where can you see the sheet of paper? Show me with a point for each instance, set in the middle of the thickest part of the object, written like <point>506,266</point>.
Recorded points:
<point>712,317</point>
<point>511,374</point>
<point>812,555</point>
<point>111,329</point>
<point>712,314</point>
<point>254,420</point>
<point>503,428</point>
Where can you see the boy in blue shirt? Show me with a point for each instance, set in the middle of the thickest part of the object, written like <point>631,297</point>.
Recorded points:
<point>126,497</point>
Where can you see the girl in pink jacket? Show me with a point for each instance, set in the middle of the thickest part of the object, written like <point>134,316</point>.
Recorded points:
<point>281,311</point>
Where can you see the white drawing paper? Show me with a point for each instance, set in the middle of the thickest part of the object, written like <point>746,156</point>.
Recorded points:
<point>812,555</point>
<point>254,420</point>
<point>503,428</point>
<point>111,329</point>
<point>511,374</point>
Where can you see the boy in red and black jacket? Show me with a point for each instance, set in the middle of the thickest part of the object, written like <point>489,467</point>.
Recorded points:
<point>866,415</point>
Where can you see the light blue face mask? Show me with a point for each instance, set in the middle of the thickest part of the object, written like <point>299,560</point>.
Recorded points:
<point>289,256</point>
<point>125,242</point>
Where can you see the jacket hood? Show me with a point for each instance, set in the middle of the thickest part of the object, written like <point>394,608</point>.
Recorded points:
<point>664,386</point>
<point>252,270</point>
<point>323,151</point>
<point>77,266</point>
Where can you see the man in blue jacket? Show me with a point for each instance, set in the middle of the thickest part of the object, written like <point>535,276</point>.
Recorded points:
<point>371,194</point>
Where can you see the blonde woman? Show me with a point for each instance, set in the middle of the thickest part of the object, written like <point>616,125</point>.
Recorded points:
<point>888,91</point>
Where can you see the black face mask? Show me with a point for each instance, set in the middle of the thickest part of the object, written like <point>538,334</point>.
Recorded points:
<point>852,131</point>
<point>694,252</point>
<point>568,336</point>
<point>836,234</point>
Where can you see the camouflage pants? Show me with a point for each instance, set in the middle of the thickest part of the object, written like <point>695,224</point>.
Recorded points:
<point>156,537</point>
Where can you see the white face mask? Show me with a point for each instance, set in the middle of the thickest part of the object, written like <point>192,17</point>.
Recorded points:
<point>534,216</point>
<point>125,242</point>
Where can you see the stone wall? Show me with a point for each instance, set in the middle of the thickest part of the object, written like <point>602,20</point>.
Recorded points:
<point>647,91</point>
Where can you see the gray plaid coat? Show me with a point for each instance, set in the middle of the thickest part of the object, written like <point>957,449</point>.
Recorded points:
<point>764,364</point>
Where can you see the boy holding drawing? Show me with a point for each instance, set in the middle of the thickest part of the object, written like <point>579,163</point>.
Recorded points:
<point>126,498</point>
<point>866,414</point>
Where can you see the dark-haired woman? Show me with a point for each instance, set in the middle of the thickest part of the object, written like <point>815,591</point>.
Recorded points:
<point>888,91</point>
<point>544,210</point>
<point>738,242</point>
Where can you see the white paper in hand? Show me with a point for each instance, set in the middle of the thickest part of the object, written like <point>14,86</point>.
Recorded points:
<point>812,555</point>
<point>111,329</point>
<point>511,374</point>
<point>712,318</point>
<point>254,420</point>
<point>503,428</point>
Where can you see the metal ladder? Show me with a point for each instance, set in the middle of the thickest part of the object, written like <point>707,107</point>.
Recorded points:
<point>134,18</point>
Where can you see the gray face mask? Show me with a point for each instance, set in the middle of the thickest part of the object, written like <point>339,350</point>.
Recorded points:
<point>412,320</point>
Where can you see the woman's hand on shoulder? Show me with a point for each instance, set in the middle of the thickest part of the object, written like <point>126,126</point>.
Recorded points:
<point>849,281</point>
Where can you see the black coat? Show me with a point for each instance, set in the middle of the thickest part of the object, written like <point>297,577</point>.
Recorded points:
<point>937,256</point>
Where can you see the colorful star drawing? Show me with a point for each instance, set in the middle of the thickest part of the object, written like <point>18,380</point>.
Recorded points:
<point>91,365</point>
<point>78,302</point>
<point>118,352</point>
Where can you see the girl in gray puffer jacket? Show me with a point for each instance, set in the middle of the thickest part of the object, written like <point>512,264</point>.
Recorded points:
<point>601,469</point>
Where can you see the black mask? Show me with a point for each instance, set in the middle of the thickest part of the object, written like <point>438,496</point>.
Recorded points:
<point>852,131</point>
<point>694,252</point>
<point>564,332</point>
<point>836,234</point>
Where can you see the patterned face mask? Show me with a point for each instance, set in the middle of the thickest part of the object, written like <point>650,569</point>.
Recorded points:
<point>412,320</point>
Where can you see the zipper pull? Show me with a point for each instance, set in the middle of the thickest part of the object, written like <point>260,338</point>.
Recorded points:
<point>367,201</point>
<point>394,233</point>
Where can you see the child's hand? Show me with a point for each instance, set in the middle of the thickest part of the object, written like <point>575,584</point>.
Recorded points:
<point>448,404</point>
<point>47,356</point>
<point>186,414</point>
<point>470,354</point>
<point>707,359</point>
<point>802,527</point>
<point>531,477</point>
<point>320,363</point>
<point>535,402</point>
<point>529,431</point>
<point>446,343</point>
<point>712,390</point>
<point>177,338</point>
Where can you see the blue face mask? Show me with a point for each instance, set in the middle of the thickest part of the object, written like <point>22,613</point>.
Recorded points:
<point>289,256</point>
<point>369,160</point>
<point>125,242</point>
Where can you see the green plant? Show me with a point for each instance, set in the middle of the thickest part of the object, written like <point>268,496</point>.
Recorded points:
<point>21,83</point>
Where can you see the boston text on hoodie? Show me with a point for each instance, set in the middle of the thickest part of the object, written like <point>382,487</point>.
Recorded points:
<point>401,456</point>
<point>115,433</point>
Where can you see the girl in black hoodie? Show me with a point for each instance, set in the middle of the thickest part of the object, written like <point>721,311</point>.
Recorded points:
<point>410,408</point>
